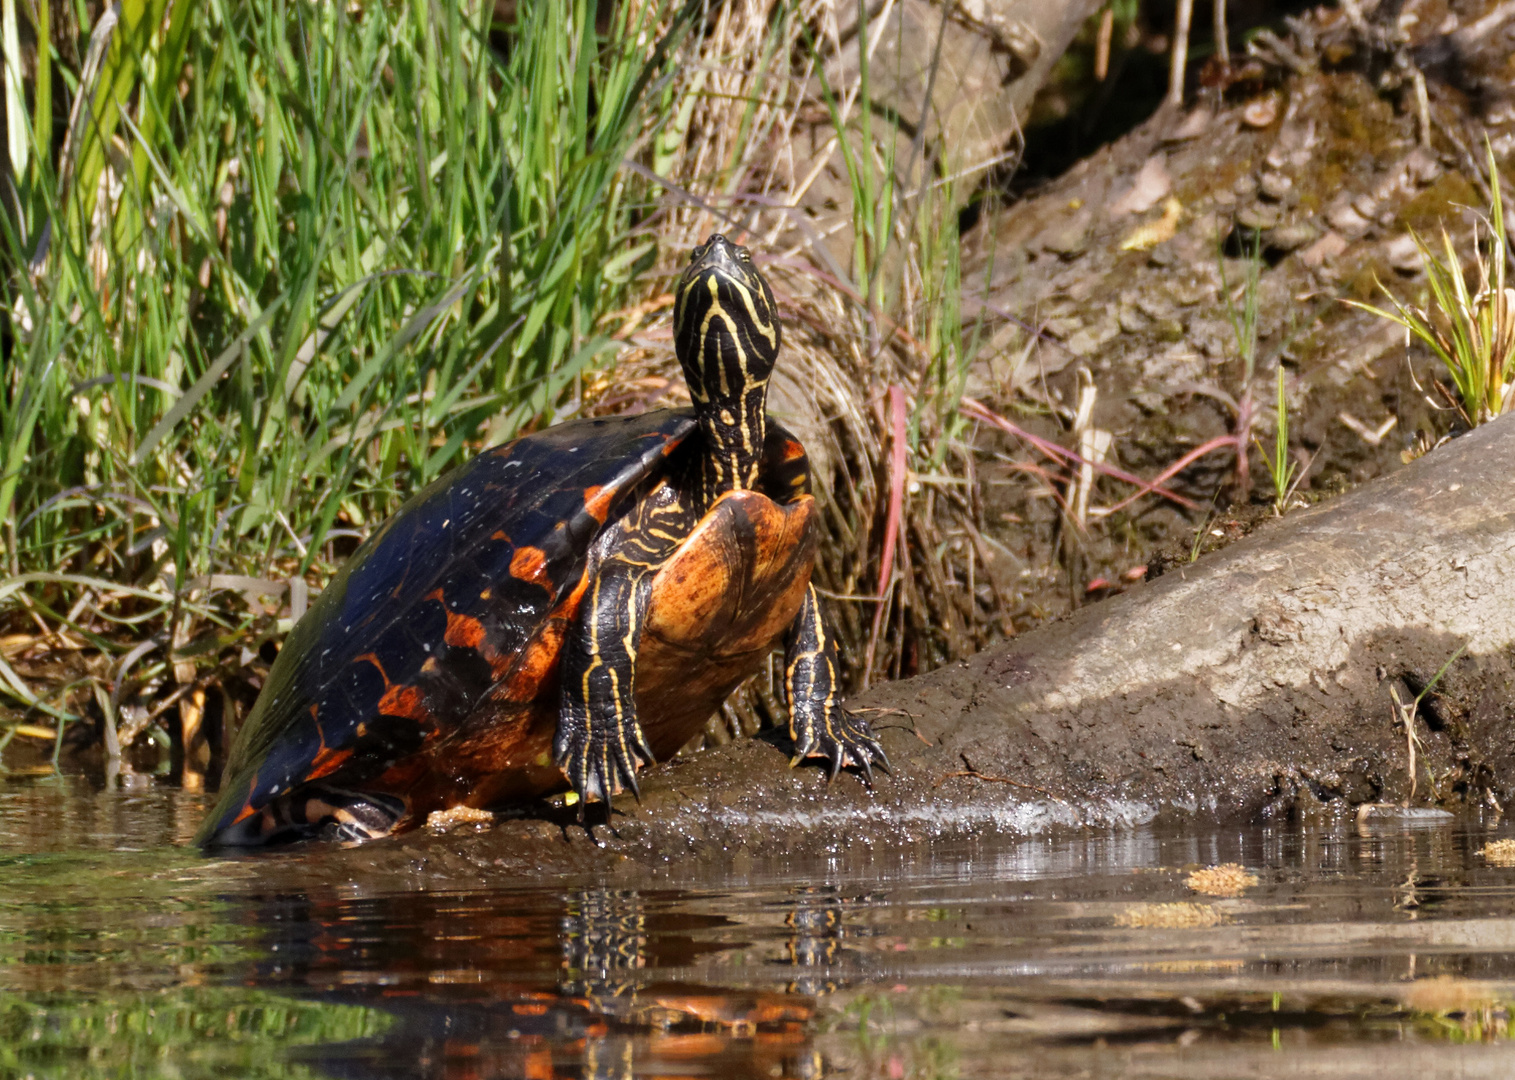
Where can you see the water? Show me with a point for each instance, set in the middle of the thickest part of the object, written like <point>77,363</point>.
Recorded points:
<point>1373,949</point>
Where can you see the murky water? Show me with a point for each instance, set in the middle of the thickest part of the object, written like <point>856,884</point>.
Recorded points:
<point>1381,949</point>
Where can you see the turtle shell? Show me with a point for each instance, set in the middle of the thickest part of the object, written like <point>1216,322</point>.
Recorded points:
<point>435,612</point>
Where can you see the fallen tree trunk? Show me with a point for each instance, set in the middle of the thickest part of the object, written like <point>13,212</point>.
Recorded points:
<point>1262,678</point>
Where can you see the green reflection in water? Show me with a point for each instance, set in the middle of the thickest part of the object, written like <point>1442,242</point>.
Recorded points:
<point>185,1032</point>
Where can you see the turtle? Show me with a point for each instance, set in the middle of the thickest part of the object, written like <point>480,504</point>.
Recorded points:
<point>561,610</point>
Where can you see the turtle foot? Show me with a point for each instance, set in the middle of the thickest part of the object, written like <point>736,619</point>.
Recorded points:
<point>840,738</point>
<point>600,751</point>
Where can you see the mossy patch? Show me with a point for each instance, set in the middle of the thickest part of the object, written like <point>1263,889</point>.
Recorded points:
<point>1437,203</point>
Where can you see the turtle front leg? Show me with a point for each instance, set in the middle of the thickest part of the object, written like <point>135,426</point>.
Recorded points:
<point>818,723</point>
<point>599,743</point>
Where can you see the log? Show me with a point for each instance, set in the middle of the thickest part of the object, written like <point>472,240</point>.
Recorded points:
<point>1260,679</point>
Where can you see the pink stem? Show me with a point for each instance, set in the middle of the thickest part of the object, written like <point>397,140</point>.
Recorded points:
<point>1051,449</point>
<point>897,463</point>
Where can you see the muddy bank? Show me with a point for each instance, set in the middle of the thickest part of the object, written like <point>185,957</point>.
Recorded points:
<point>1258,680</point>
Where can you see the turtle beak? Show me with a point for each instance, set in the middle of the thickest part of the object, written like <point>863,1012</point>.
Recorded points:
<point>720,255</point>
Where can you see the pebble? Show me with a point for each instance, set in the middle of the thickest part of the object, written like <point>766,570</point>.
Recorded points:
<point>1261,112</point>
<point>1258,216</point>
<point>1162,255</point>
<point>1347,221</point>
<point>1403,255</point>
<point>1275,186</point>
<point>1133,321</point>
<point>1071,239</point>
<point>1327,247</point>
<point>1292,237</point>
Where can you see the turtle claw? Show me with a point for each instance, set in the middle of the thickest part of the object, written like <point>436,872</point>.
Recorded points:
<point>841,739</point>
<point>600,755</point>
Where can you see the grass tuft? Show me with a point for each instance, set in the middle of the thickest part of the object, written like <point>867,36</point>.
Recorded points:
<point>1469,328</point>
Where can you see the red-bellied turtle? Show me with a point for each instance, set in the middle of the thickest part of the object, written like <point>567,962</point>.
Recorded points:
<point>561,610</point>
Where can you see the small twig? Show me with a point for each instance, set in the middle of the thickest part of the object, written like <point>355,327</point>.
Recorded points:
<point>1180,53</point>
<point>970,771</point>
<point>1405,714</point>
<point>1222,34</point>
<point>914,723</point>
<point>1355,16</point>
<point>1280,50</point>
<point>1220,442</point>
<point>1102,43</point>
<point>1472,35</point>
<point>1422,106</point>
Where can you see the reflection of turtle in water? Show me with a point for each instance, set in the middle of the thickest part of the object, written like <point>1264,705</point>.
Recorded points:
<point>573,604</point>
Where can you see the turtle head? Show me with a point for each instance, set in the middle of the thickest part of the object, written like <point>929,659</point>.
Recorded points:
<point>726,332</point>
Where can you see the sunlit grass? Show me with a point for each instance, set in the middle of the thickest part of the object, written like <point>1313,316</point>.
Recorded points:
<point>1468,326</point>
<point>325,252</point>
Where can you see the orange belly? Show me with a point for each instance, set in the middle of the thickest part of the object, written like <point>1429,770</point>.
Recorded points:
<point>718,607</point>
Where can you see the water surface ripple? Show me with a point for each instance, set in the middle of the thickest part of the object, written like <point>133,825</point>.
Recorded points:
<point>1364,950</point>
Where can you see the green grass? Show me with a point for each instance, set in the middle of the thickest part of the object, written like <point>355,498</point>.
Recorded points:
<point>344,247</point>
<point>1468,326</point>
<point>1282,471</point>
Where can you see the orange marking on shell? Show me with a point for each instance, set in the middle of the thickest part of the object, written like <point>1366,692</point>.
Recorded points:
<point>405,701</point>
<point>537,663</point>
<point>539,1066</point>
<point>328,762</point>
<point>793,451</point>
<point>597,502</point>
<point>376,662</point>
<point>248,809</point>
<point>529,564</point>
<point>498,535</point>
<point>486,594</point>
<point>464,632</point>
<point>532,1009</point>
<point>568,607</point>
